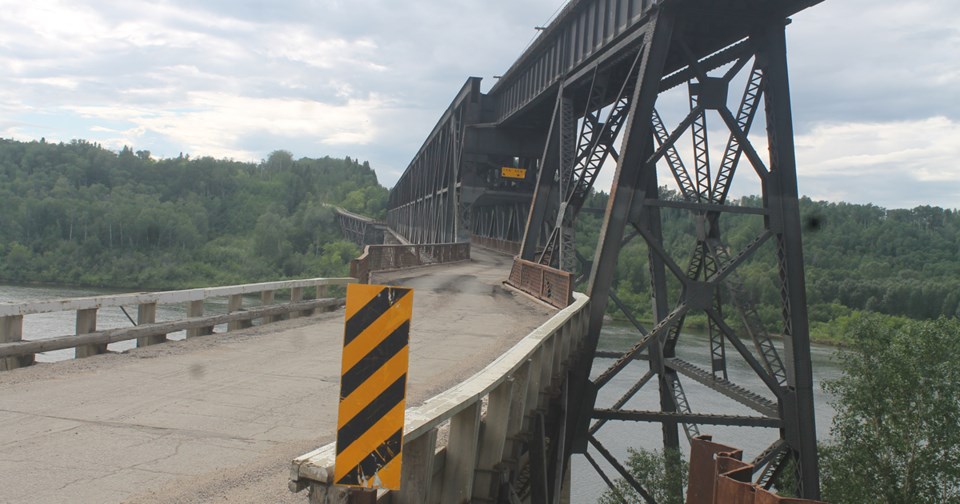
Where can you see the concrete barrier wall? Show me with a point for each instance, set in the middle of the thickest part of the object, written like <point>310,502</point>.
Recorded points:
<point>14,352</point>
<point>476,445</point>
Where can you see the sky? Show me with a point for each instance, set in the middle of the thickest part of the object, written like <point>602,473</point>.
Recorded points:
<point>875,84</point>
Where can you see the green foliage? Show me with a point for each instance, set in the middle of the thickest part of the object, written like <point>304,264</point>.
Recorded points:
<point>649,468</point>
<point>858,258</point>
<point>896,435</point>
<point>80,214</point>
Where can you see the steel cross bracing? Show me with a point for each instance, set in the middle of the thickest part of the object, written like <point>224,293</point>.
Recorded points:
<point>672,51</point>
<point>423,205</point>
<point>594,145</point>
<point>587,93</point>
<point>711,268</point>
<point>359,229</point>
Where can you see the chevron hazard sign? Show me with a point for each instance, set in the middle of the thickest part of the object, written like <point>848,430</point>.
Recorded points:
<point>373,385</point>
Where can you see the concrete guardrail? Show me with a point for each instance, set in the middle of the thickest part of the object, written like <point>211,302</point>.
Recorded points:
<point>15,352</point>
<point>456,444</point>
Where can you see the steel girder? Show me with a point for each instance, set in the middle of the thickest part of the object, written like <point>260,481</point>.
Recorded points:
<point>359,229</point>
<point>454,186</point>
<point>423,205</point>
<point>672,46</point>
<point>353,229</point>
<point>503,221</point>
<point>590,83</point>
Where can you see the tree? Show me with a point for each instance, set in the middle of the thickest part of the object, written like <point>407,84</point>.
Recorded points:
<point>279,160</point>
<point>896,435</point>
<point>650,469</point>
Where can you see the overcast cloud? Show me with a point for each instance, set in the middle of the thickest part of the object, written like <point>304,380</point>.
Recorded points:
<point>875,84</point>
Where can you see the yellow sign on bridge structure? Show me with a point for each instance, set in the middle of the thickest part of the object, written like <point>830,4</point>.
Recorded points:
<point>373,384</point>
<point>515,173</point>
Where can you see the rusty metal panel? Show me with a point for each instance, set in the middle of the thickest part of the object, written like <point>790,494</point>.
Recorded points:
<point>718,475</point>
<point>360,267</point>
<point>543,282</point>
<point>733,484</point>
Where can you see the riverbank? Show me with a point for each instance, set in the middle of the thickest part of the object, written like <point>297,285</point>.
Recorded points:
<point>833,332</point>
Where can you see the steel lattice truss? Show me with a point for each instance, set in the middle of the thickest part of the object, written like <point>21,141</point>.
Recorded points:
<point>600,86</point>
<point>423,204</point>
<point>359,229</point>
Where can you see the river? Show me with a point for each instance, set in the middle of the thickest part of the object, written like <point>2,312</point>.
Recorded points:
<point>48,325</point>
<point>616,436</point>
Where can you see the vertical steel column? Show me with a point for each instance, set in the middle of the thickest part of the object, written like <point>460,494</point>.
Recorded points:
<point>784,220</point>
<point>634,153</point>
<point>566,257</point>
<point>646,218</point>
<point>452,215</point>
<point>547,190</point>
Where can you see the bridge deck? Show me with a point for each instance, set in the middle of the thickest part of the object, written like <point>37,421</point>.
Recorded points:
<point>218,419</point>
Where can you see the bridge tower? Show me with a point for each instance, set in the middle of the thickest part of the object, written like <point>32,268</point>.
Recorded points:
<point>609,110</point>
<point>649,86</point>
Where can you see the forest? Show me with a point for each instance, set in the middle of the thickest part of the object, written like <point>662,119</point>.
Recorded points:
<point>79,214</point>
<point>902,263</point>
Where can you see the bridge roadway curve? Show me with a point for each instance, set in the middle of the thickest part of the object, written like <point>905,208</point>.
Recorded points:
<point>218,418</point>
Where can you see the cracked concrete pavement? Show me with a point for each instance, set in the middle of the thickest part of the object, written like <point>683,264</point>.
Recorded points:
<point>218,418</point>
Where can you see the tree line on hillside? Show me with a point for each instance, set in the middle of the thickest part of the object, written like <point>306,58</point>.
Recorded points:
<point>858,258</point>
<point>76,213</point>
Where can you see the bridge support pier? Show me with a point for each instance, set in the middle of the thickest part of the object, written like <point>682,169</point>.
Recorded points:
<point>683,49</point>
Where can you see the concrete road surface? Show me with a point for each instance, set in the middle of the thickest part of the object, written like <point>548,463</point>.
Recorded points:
<point>218,418</point>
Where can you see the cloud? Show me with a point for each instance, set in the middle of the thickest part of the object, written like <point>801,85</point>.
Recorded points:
<point>900,163</point>
<point>211,123</point>
<point>864,60</point>
<point>927,147</point>
<point>369,79</point>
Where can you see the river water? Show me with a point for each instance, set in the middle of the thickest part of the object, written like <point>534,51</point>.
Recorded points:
<point>616,436</point>
<point>48,325</point>
<point>619,436</point>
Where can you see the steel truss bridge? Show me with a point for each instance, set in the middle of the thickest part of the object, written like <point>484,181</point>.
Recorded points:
<point>647,87</point>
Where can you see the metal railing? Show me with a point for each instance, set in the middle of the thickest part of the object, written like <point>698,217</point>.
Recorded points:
<point>389,257</point>
<point>482,418</point>
<point>505,246</point>
<point>719,475</point>
<point>15,352</point>
<point>543,282</point>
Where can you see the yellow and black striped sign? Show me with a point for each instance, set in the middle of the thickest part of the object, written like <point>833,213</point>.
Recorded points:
<point>373,385</point>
